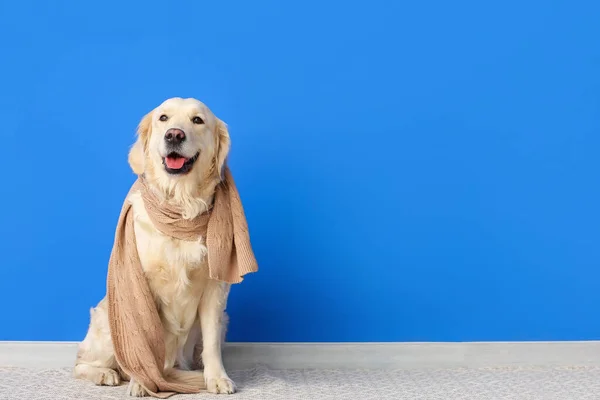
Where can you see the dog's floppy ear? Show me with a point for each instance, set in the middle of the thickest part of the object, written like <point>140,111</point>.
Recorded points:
<point>223,144</point>
<point>137,153</point>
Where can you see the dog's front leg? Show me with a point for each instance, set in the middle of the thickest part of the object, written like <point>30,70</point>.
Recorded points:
<point>212,308</point>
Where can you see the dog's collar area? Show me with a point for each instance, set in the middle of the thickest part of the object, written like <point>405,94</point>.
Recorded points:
<point>187,166</point>
<point>142,177</point>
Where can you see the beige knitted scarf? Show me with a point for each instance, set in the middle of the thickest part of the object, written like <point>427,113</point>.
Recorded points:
<point>135,325</point>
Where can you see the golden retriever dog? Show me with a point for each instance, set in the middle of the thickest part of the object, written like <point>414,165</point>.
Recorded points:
<point>181,148</point>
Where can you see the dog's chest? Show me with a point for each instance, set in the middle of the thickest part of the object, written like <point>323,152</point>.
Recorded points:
<point>177,270</point>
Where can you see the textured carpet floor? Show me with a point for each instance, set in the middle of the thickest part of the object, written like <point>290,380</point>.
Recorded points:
<point>260,383</point>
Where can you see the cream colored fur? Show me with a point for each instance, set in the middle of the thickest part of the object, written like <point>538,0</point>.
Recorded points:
<point>191,306</point>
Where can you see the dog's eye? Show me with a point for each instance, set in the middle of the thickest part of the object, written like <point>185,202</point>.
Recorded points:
<point>163,117</point>
<point>197,120</point>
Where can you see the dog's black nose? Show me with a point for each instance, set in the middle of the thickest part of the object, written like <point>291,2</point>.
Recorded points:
<point>175,136</point>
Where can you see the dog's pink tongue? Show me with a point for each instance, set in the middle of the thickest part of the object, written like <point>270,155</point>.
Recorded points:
<point>175,163</point>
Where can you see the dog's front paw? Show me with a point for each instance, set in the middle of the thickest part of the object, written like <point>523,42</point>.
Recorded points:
<point>220,384</point>
<point>136,390</point>
<point>106,377</point>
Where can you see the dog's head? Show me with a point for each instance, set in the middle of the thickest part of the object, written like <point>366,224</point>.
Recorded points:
<point>180,142</point>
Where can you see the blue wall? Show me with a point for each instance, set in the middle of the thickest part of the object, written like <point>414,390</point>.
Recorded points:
<point>411,171</point>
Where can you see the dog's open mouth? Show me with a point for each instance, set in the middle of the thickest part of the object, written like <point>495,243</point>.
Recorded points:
<point>177,164</point>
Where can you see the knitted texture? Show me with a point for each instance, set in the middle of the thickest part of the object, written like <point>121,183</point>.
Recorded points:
<point>135,324</point>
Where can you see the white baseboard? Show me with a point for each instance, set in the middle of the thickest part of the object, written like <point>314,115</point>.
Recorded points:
<point>345,355</point>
